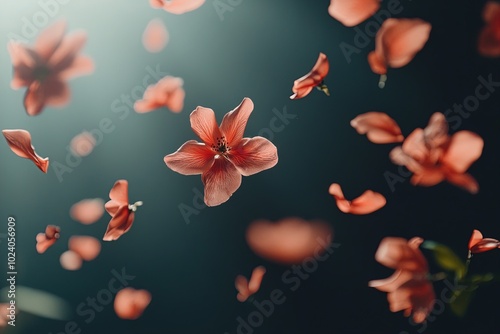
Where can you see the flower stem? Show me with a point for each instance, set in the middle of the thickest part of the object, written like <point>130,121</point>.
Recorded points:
<point>382,80</point>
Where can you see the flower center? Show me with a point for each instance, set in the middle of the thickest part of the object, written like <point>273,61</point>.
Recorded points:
<point>221,147</point>
<point>41,73</point>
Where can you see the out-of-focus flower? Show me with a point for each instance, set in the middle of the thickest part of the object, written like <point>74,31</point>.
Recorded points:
<point>352,12</point>
<point>47,239</point>
<point>368,202</point>
<point>167,92</point>
<point>224,155</point>
<point>121,211</point>
<point>378,127</point>
<point>489,38</point>
<point>87,211</point>
<point>45,67</point>
<point>478,244</point>
<point>20,143</point>
<point>290,240</point>
<point>247,288</point>
<point>131,303</point>
<point>155,36</point>
<point>315,78</point>
<point>396,44</point>
<point>433,156</point>
<point>409,288</point>
<point>177,6</point>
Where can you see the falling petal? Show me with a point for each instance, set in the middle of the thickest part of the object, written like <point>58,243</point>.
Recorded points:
<point>82,144</point>
<point>20,143</point>
<point>352,12</point>
<point>87,211</point>
<point>177,6</point>
<point>47,239</point>
<point>464,148</point>
<point>191,158</point>
<point>130,303</point>
<point>368,202</point>
<point>304,85</point>
<point>119,224</point>
<point>86,247</point>
<point>70,260</point>
<point>118,197</point>
<point>155,37</point>
<point>378,127</point>
<point>167,92</point>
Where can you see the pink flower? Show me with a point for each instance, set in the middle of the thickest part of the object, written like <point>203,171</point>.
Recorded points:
<point>433,156</point>
<point>290,240</point>
<point>304,85</point>
<point>368,202</point>
<point>378,127</point>
<point>489,38</point>
<point>45,67</point>
<point>177,6</point>
<point>352,12</point>
<point>121,211</point>
<point>167,92</point>
<point>47,239</point>
<point>131,303</point>
<point>408,288</point>
<point>247,288</point>
<point>396,44</point>
<point>224,155</point>
<point>20,143</point>
<point>155,36</point>
<point>478,244</point>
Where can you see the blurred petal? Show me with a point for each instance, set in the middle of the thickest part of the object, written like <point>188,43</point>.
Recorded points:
<point>49,39</point>
<point>24,61</point>
<point>464,181</point>
<point>435,133</point>
<point>304,85</point>
<point>20,143</point>
<point>428,177</point>
<point>241,284</point>
<point>70,260</point>
<point>398,253</point>
<point>81,65</point>
<point>82,144</point>
<point>167,92</point>
<point>256,279</point>
<point>393,282</point>
<point>130,303</point>
<point>191,158</point>
<point>400,158</point>
<point>177,6</point>
<point>64,57</point>
<point>87,211</point>
<point>205,126</point>
<point>155,36</point>
<point>234,122</point>
<point>253,155</point>
<point>465,147</point>
<point>52,92</point>
<point>414,146</point>
<point>47,239</point>
<point>221,181</point>
<point>368,202</point>
<point>377,63</point>
<point>352,12</point>
<point>378,127</point>
<point>490,11</point>
<point>87,247</point>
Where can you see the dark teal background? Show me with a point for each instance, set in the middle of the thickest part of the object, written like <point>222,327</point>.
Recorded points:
<point>256,51</point>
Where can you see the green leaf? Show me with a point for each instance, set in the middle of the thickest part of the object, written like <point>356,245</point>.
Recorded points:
<point>461,300</point>
<point>446,258</point>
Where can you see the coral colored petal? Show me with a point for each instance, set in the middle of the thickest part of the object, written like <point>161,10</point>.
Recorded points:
<point>87,211</point>
<point>485,245</point>
<point>256,279</point>
<point>465,147</point>
<point>49,40</point>
<point>119,224</point>
<point>464,181</point>
<point>82,144</point>
<point>367,203</point>
<point>377,63</point>
<point>191,158</point>
<point>65,55</point>
<point>20,143</point>
<point>87,247</point>
<point>118,195</point>
<point>254,155</point>
<point>70,260</point>
<point>304,85</point>
<point>414,146</point>
<point>391,283</point>
<point>81,65</point>
<point>428,177</point>
<point>378,127</point>
<point>130,303</point>
<point>352,12</point>
<point>51,92</point>
<point>475,238</point>
<point>234,122</point>
<point>220,181</point>
<point>176,100</point>
<point>398,253</point>
<point>24,61</point>
<point>155,36</point>
<point>177,6</point>
<point>436,132</point>
<point>400,158</point>
<point>205,126</point>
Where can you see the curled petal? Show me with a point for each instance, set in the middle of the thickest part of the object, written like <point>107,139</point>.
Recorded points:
<point>86,247</point>
<point>241,284</point>
<point>47,239</point>
<point>234,122</point>
<point>415,297</point>
<point>485,245</point>
<point>428,177</point>
<point>377,63</point>
<point>475,238</point>
<point>221,181</point>
<point>118,195</point>
<point>304,85</point>
<point>205,126</point>
<point>20,143</point>
<point>368,202</point>
<point>119,224</point>
<point>130,303</point>
<point>256,279</point>
<point>352,12</point>
<point>254,155</point>
<point>191,158</point>
<point>393,282</point>
<point>378,127</point>
<point>414,146</point>
<point>400,158</point>
<point>464,148</point>
<point>155,36</point>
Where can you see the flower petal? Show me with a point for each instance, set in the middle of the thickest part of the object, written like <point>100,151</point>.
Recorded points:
<point>368,202</point>
<point>436,132</point>
<point>177,6</point>
<point>391,283</point>
<point>241,284</point>
<point>398,253</point>
<point>70,260</point>
<point>191,158</point>
<point>87,247</point>
<point>378,127</point>
<point>465,147</point>
<point>205,126</point>
<point>475,238</point>
<point>118,195</point>
<point>304,85</point>
<point>464,181</point>
<point>47,239</point>
<point>254,155</point>
<point>67,52</point>
<point>81,65</point>
<point>256,279</point>
<point>82,144</point>
<point>119,224</point>
<point>51,92</point>
<point>155,36</point>
<point>49,39</point>
<point>234,122</point>
<point>352,12</point>
<point>87,211</point>
<point>221,181</point>
<point>130,303</point>
<point>24,61</point>
<point>20,143</point>
<point>377,62</point>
